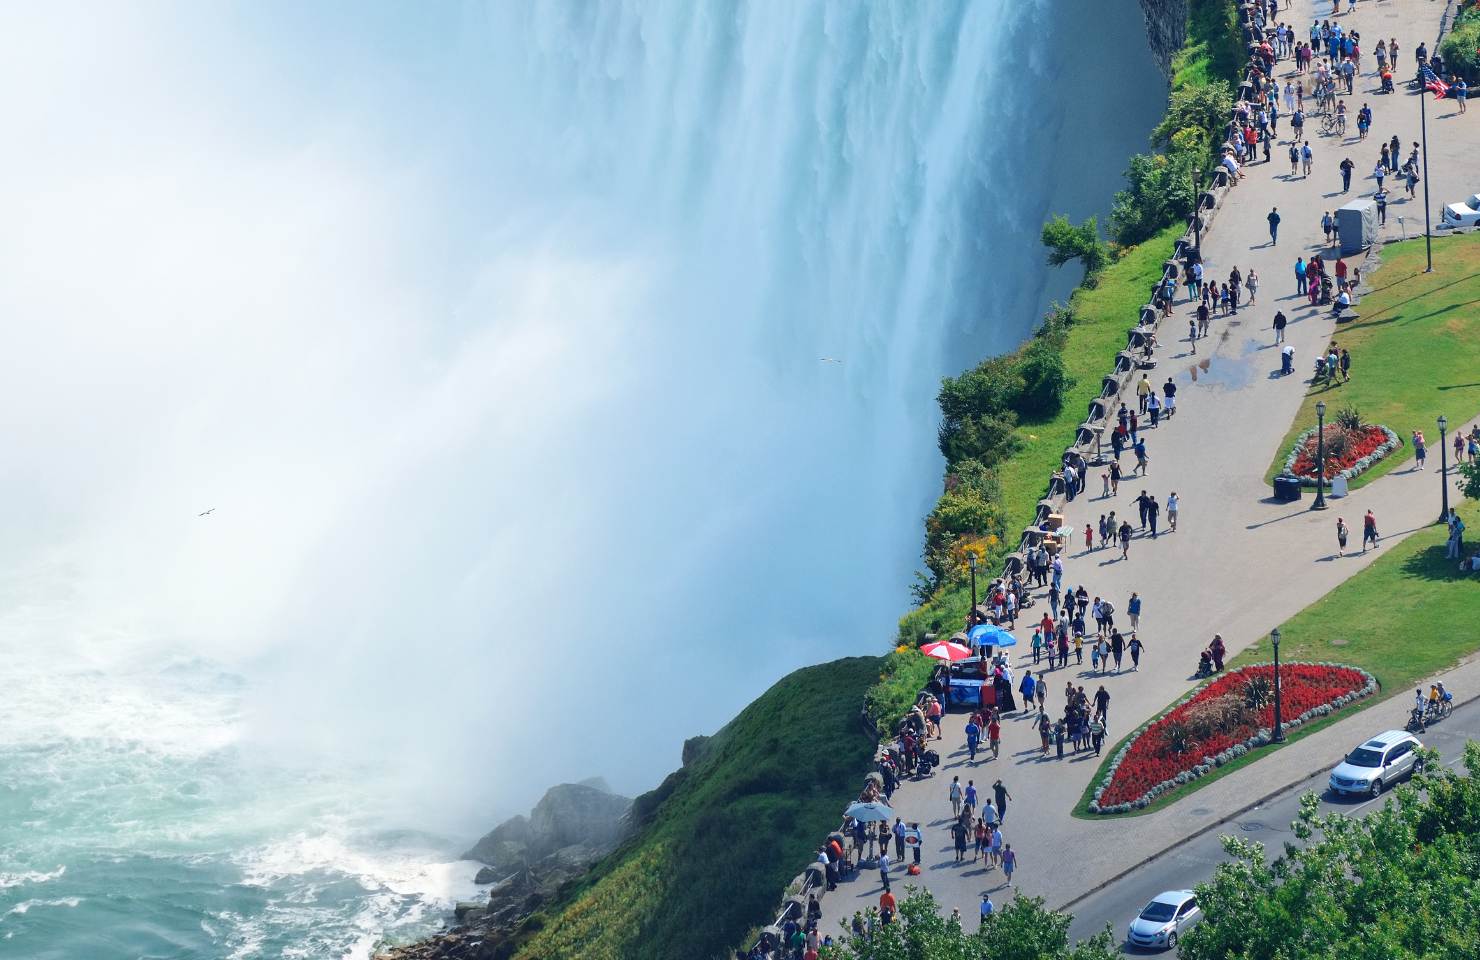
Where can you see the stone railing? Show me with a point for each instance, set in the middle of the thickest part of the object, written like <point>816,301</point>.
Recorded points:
<point>1104,409</point>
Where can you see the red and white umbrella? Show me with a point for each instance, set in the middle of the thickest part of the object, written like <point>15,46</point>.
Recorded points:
<point>946,650</point>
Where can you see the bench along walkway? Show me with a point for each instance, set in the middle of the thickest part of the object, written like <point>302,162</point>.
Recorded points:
<point>1239,563</point>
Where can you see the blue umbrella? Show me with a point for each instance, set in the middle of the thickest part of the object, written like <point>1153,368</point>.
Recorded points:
<point>984,634</point>
<point>868,812</point>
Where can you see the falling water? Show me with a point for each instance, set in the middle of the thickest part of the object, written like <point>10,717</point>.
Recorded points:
<point>408,407</point>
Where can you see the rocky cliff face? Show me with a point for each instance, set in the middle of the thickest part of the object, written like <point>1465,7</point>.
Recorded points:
<point>1166,30</point>
<point>528,860</point>
<point>578,815</point>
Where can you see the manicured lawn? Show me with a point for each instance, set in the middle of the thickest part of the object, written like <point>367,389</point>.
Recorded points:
<point>1415,350</point>
<point>1404,619</point>
<point>1102,318</point>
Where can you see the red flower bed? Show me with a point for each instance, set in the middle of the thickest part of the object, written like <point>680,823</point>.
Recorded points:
<point>1358,444</point>
<point>1150,760</point>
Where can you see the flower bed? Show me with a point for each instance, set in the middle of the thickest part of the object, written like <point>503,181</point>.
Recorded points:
<point>1348,452</point>
<point>1218,722</point>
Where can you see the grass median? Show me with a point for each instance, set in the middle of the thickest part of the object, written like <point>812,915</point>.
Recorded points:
<point>1404,619</point>
<point>1415,350</point>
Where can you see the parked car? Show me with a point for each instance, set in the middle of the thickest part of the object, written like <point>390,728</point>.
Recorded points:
<point>1466,214</point>
<point>1377,764</point>
<point>1166,917</point>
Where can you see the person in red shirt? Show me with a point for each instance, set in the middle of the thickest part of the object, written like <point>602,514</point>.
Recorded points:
<point>886,906</point>
<point>994,735</point>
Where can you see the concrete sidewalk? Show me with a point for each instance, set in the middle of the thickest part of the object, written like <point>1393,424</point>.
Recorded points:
<point>1239,563</point>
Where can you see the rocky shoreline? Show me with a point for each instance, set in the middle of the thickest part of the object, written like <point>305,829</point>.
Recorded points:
<point>528,861</point>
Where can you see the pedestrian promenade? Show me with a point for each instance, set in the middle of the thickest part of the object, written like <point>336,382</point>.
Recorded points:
<point>1239,563</point>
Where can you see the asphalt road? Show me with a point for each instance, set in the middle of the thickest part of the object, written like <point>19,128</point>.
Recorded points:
<point>1184,866</point>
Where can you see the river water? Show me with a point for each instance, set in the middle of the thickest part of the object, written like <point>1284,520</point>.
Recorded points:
<point>408,407</point>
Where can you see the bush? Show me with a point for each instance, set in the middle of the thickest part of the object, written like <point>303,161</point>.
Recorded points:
<point>1203,107</point>
<point>1159,192</point>
<point>1461,49</point>
<point>1067,242</point>
<point>1045,378</point>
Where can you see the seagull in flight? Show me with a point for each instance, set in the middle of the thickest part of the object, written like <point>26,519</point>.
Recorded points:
<point>828,360</point>
<point>206,513</point>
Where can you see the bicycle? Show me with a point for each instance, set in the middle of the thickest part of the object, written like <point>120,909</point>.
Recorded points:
<point>1329,124</point>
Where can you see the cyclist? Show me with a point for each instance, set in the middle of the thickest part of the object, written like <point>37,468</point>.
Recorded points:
<point>1418,708</point>
<point>1433,699</point>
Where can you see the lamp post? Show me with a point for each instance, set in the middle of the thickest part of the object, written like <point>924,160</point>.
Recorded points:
<point>1279,728</point>
<point>1197,176</point>
<point>1320,503</point>
<point>1423,125</point>
<point>971,562</point>
<point>1443,470</point>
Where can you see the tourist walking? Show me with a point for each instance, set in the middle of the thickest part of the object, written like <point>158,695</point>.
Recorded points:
<point>1133,610</point>
<point>1346,166</point>
<point>1102,706</point>
<point>1135,647</point>
<point>1125,540</point>
<point>1341,533</point>
<point>1001,795</point>
<point>1327,226</point>
<point>1009,862</point>
<point>884,869</point>
<point>955,795</point>
<point>1274,226</point>
<point>1141,459</point>
<point>1369,531</point>
<point>1251,283</point>
<point>1173,503</point>
<point>994,738</point>
<point>1419,451</point>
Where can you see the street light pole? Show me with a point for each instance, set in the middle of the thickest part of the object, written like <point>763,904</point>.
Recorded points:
<point>1320,503</point>
<point>971,616</point>
<point>1423,122</point>
<point>1443,470</point>
<point>1279,728</point>
<point>1197,211</point>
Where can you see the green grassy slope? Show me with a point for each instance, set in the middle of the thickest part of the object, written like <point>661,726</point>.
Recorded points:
<point>724,835</point>
<point>1414,351</point>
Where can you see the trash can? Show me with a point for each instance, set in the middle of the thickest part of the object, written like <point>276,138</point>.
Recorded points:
<point>1286,488</point>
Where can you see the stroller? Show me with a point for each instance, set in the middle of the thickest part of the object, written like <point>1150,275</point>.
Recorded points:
<point>926,764</point>
<point>1204,665</point>
<point>1387,81</point>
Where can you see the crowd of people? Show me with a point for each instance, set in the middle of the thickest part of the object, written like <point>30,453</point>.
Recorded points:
<point>1326,62</point>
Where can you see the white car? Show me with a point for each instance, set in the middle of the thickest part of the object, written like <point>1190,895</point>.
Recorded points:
<point>1465,214</point>
<point>1377,764</point>
<point>1166,917</point>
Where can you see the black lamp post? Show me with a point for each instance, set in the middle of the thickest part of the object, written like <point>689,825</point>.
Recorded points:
<point>971,562</point>
<point>1423,125</point>
<point>1443,470</point>
<point>1279,727</point>
<point>1197,176</point>
<point>1320,503</point>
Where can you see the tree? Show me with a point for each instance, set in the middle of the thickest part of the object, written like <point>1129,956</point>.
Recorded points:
<point>1204,107</point>
<point>1022,930</point>
<point>1469,483</point>
<point>1396,885</point>
<point>1067,242</point>
<point>1158,193</point>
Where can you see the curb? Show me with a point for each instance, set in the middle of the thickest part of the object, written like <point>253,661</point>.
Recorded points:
<point>1270,795</point>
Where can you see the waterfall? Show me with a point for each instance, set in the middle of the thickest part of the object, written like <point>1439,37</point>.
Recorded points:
<point>557,375</point>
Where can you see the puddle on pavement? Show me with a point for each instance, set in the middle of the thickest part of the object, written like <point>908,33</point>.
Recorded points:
<point>1231,373</point>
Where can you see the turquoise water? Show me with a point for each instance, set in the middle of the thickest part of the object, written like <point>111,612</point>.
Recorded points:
<point>133,823</point>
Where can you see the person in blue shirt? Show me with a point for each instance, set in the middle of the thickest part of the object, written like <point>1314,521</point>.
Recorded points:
<point>973,737</point>
<point>987,906</point>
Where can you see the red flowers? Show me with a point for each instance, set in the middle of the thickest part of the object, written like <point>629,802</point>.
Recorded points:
<point>1221,716</point>
<point>1344,448</point>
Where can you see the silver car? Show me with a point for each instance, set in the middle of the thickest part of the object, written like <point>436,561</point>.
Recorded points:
<point>1166,917</point>
<point>1377,764</point>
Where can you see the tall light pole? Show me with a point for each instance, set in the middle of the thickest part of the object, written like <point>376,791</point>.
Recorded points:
<point>1320,503</point>
<point>1423,125</point>
<point>971,562</point>
<point>1279,728</point>
<point>1197,176</point>
<point>1443,470</point>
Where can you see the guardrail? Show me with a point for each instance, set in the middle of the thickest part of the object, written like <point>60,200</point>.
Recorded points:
<point>1104,409</point>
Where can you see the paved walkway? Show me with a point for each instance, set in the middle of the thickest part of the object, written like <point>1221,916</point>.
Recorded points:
<point>1239,563</point>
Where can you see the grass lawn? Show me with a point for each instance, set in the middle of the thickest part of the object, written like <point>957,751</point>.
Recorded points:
<point>1404,619</point>
<point>1415,351</point>
<point>1102,318</point>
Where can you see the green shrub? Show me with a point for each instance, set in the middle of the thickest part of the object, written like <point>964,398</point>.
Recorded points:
<point>1461,49</point>
<point>1066,242</point>
<point>986,438</point>
<point>1159,192</point>
<point>1045,378</point>
<point>906,671</point>
<point>1203,107</point>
